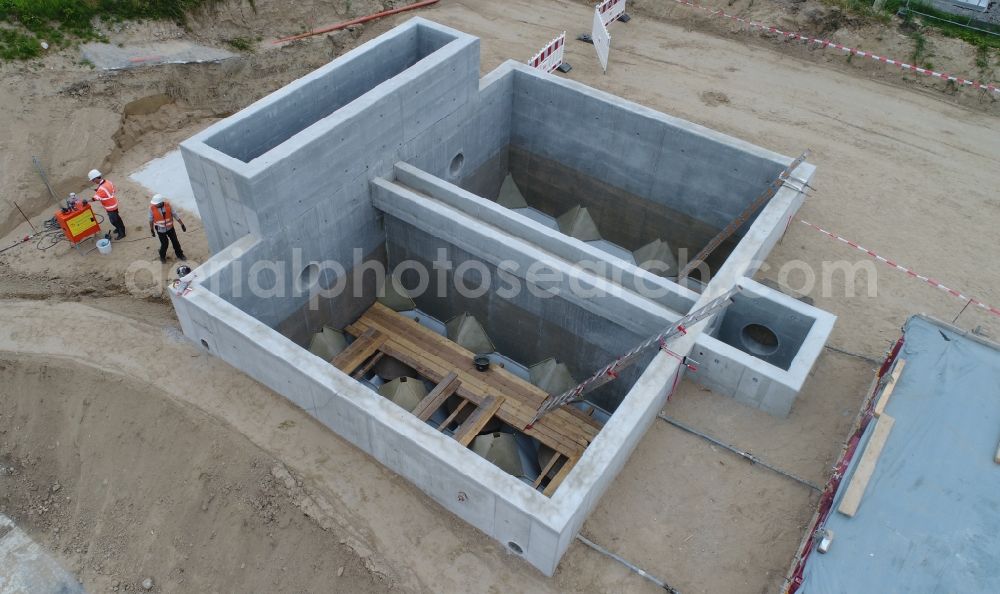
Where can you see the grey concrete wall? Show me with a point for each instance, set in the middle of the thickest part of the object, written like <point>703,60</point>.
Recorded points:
<point>682,166</point>
<point>524,325</point>
<point>626,219</point>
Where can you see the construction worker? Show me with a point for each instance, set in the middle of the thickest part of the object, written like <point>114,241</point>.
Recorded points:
<point>105,194</point>
<point>161,224</point>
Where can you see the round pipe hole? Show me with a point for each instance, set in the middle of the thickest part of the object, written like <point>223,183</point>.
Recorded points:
<point>515,547</point>
<point>759,340</point>
<point>456,164</point>
<point>308,277</point>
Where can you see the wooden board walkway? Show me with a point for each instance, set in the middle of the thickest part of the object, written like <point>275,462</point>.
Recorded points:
<point>381,331</point>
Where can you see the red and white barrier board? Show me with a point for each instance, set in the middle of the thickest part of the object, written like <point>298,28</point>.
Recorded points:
<point>601,38</point>
<point>551,56</point>
<point>611,10</point>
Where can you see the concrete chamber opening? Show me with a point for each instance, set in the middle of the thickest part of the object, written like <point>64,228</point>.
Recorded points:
<point>256,134</point>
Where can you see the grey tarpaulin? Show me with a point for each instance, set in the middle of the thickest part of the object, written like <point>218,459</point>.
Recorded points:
<point>929,520</point>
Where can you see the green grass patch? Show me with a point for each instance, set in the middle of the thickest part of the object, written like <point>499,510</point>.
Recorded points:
<point>242,44</point>
<point>936,19</point>
<point>60,21</point>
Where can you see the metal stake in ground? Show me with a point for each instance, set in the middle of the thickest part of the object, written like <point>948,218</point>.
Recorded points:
<point>736,223</point>
<point>747,455</point>
<point>26,219</point>
<point>634,568</point>
<point>45,179</point>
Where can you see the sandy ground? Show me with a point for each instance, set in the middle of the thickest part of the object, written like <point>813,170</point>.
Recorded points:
<point>904,169</point>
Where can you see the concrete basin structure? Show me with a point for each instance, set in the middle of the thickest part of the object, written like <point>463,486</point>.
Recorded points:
<point>385,166</point>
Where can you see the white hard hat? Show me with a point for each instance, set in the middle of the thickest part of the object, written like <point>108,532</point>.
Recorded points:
<point>157,200</point>
<point>94,174</point>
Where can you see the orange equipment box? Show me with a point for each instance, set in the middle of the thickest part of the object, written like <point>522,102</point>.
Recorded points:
<point>78,224</point>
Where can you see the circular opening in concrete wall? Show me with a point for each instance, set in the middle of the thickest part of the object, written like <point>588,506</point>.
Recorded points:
<point>204,343</point>
<point>308,277</point>
<point>515,547</point>
<point>759,339</point>
<point>456,164</point>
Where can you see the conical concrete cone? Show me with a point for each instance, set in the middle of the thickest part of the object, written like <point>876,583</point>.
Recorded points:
<point>510,195</point>
<point>389,369</point>
<point>657,257</point>
<point>577,222</point>
<point>551,376</point>
<point>394,299</point>
<point>406,392</point>
<point>327,343</point>
<point>468,332</point>
<point>500,449</point>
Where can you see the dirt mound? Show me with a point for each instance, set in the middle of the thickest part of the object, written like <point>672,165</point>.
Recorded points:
<point>121,484</point>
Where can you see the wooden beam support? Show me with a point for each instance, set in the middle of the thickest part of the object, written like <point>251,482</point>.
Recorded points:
<point>548,467</point>
<point>559,477</point>
<point>436,397</point>
<point>883,398</point>
<point>454,413</point>
<point>866,466</point>
<point>364,369</point>
<point>471,427</point>
<point>363,347</point>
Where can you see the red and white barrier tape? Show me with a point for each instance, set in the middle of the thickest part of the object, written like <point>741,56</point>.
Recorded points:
<point>972,300</point>
<point>611,10</point>
<point>825,43</point>
<point>551,56</point>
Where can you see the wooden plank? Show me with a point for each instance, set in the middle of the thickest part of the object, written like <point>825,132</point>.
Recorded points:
<point>559,477</point>
<point>454,413</point>
<point>518,391</point>
<point>548,467</point>
<point>433,356</point>
<point>436,397</point>
<point>471,427</point>
<point>883,398</point>
<point>364,369</point>
<point>866,466</point>
<point>363,347</point>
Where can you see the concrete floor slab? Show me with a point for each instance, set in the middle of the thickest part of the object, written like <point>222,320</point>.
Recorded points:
<point>105,56</point>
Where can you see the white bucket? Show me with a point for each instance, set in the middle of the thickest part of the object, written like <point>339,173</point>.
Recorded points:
<point>104,246</point>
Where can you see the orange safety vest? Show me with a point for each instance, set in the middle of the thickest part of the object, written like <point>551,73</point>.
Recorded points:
<point>162,219</point>
<point>106,194</point>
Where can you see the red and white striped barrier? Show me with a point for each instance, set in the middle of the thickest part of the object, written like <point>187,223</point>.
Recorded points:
<point>825,44</point>
<point>610,10</point>
<point>957,294</point>
<point>551,56</point>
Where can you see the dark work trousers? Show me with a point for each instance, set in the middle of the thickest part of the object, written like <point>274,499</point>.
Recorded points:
<point>116,222</point>
<point>172,234</point>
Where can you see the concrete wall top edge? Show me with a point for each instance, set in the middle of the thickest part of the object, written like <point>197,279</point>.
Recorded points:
<point>638,109</point>
<point>224,258</point>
